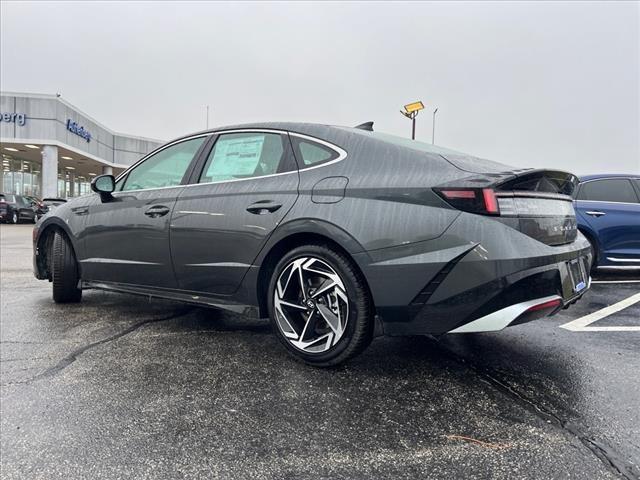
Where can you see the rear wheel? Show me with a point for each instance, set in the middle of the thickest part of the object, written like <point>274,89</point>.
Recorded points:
<point>64,271</point>
<point>320,306</point>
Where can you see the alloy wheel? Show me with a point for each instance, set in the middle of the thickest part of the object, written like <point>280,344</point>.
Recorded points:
<point>311,304</point>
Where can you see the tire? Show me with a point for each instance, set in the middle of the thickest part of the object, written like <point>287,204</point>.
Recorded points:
<point>333,320</point>
<point>64,271</point>
<point>15,218</point>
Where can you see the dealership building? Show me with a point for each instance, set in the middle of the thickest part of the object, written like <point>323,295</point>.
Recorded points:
<point>52,149</point>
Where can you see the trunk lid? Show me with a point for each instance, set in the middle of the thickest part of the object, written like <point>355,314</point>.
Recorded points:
<point>536,202</point>
<point>543,203</point>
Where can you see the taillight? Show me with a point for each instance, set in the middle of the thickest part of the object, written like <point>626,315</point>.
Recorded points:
<point>474,200</point>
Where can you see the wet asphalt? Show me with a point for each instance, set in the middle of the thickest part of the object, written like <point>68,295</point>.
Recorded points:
<point>123,387</point>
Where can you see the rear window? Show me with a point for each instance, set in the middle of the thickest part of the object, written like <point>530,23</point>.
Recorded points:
<point>608,190</point>
<point>310,153</point>
<point>467,163</point>
<point>9,198</point>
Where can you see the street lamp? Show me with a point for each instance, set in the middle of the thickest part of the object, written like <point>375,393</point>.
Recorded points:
<point>411,112</point>
<point>433,131</point>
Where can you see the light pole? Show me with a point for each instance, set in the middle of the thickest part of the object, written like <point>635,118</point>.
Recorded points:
<point>433,131</point>
<point>411,112</point>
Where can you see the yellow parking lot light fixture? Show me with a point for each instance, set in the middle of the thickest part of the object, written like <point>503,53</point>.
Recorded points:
<point>411,112</point>
<point>414,107</point>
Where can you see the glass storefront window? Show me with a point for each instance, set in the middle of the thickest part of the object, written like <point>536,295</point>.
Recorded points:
<point>21,177</point>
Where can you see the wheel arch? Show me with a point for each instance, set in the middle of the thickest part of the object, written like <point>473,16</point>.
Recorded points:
<point>593,239</point>
<point>44,242</point>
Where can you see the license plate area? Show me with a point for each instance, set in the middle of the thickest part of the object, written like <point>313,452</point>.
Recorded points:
<point>578,275</point>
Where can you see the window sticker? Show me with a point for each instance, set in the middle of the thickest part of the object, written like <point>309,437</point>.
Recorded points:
<point>236,156</point>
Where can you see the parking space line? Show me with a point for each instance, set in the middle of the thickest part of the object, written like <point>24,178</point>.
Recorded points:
<point>615,281</point>
<point>582,324</point>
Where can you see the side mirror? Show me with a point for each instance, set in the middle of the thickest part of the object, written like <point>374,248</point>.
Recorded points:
<point>104,185</point>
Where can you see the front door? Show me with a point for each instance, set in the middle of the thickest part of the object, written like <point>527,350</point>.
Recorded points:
<point>127,238</point>
<point>245,188</point>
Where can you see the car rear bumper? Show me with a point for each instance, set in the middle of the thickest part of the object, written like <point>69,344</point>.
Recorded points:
<point>450,285</point>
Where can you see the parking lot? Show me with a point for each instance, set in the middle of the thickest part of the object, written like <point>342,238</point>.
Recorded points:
<point>121,386</point>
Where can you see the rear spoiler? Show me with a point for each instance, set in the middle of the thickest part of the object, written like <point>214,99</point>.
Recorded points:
<point>542,181</point>
<point>526,180</point>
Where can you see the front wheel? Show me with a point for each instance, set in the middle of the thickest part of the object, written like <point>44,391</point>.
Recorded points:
<point>320,306</point>
<point>64,271</point>
<point>14,218</point>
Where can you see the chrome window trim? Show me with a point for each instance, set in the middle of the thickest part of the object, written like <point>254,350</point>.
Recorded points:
<point>342,154</point>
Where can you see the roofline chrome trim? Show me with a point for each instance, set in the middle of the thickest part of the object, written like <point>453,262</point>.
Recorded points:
<point>342,154</point>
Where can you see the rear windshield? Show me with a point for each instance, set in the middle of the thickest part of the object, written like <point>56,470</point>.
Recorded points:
<point>8,198</point>
<point>463,161</point>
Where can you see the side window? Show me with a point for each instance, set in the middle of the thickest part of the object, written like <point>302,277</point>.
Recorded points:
<point>244,155</point>
<point>609,190</point>
<point>312,153</point>
<point>164,169</point>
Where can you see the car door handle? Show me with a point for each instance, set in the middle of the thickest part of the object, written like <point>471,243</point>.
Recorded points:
<point>595,213</point>
<point>157,211</point>
<point>263,207</point>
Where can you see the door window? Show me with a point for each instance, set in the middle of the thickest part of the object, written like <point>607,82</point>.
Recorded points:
<point>609,190</point>
<point>244,155</point>
<point>164,169</point>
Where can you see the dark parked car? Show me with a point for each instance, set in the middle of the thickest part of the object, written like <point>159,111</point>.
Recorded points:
<point>16,209</point>
<point>38,205</point>
<point>337,234</point>
<point>608,212</point>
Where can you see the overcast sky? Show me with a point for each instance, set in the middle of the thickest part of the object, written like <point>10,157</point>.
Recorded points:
<point>529,84</point>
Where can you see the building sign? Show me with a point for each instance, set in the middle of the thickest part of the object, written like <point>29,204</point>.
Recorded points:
<point>73,127</point>
<point>17,118</point>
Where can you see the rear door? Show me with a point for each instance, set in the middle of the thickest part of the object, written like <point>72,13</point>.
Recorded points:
<point>610,207</point>
<point>242,191</point>
<point>126,239</point>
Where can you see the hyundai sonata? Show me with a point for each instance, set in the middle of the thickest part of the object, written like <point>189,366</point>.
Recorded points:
<point>336,234</point>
